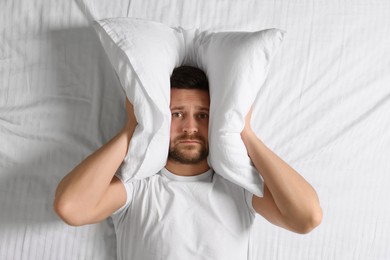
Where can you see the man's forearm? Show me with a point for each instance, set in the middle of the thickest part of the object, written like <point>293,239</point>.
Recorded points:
<point>295,198</point>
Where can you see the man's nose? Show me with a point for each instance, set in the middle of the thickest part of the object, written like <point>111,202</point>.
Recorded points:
<point>190,126</point>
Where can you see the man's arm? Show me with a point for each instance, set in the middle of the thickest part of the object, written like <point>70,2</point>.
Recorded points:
<point>289,201</point>
<point>90,192</point>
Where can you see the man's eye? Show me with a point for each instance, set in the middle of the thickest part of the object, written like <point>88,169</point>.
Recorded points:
<point>203,116</point>
<point>177,114</point>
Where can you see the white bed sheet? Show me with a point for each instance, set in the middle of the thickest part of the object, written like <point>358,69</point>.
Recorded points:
<point>325,109</point>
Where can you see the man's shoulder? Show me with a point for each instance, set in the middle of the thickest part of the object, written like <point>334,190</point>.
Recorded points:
<point>141,181</point>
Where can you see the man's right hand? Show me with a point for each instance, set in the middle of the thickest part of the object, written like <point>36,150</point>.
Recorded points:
<point>131,121</point>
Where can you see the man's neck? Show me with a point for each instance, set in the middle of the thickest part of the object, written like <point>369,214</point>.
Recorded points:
<point>187,169</point>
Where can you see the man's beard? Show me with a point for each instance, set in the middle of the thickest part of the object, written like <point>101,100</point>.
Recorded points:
<point>180,151</point>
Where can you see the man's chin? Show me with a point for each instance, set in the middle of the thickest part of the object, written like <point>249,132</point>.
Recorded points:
<point>188,153</point>
<point>187,157</point>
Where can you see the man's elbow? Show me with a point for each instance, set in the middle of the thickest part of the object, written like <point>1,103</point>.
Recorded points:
<point>310,223</point>
<point>68,213</point>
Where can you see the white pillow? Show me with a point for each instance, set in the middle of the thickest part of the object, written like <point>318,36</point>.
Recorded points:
<point>236,64</point>
<point>144,55</point>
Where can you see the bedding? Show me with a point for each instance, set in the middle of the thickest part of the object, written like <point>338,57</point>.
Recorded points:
<point>323,108</point>
<point>144,54</point>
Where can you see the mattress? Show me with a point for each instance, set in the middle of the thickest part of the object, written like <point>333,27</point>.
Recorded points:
<point>324,109</point>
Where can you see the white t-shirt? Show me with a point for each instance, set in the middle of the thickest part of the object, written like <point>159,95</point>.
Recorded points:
<point>171,217</point>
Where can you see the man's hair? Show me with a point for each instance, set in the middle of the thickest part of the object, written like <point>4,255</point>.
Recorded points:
<point>187,77</point>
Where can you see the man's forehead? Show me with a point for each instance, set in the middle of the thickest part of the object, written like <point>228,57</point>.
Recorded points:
<point>187,97</point>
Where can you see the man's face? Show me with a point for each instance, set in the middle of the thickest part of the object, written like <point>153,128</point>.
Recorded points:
<point>189,126</point>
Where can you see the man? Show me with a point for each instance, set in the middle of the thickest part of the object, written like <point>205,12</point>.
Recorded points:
<point>185,211</point>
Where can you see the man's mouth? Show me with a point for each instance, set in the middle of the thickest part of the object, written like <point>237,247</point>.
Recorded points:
<point>190,141</point>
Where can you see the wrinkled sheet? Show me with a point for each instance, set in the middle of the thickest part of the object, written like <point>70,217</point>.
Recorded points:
<point>325,109</point>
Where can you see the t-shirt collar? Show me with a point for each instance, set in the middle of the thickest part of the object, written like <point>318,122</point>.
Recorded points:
<point>203,177</point>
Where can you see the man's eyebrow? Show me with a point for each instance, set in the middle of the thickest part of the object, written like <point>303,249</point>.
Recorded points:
<point>198,107</point>
<point>203,108</point>
<point>177,108</point>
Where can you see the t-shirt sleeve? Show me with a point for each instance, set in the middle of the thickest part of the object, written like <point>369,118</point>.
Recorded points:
<point>248,199</point>
<point>129,187</point>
